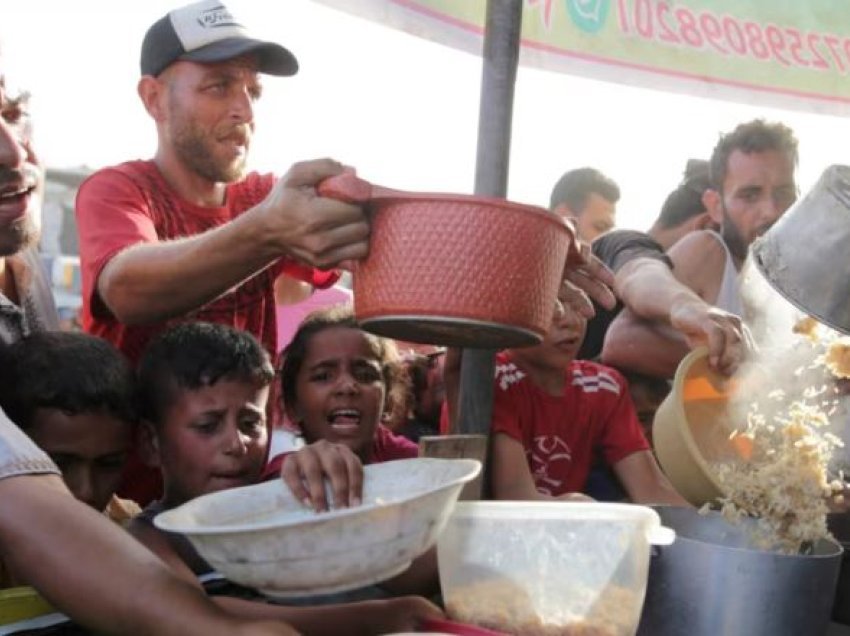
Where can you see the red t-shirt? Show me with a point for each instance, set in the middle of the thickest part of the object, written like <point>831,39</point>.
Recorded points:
<point>561,434</point>
<point>389,446</point>
<point>132,203</point>
<point>386,447</point>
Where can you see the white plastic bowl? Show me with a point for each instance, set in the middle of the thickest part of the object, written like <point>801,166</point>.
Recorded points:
<point>542,568</point>
<point>261,537</point>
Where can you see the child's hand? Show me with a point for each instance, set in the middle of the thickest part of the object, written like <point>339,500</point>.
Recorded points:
<point>403,614</point>
<point>306,470</point>
<point>574,496</point>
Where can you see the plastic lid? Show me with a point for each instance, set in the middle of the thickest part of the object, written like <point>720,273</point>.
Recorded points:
<point>656,534</point>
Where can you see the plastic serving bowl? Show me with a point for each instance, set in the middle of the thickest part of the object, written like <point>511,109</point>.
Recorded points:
<point>454,269</point>
<point>692,427</point>
<point>548,567</point>
<point>261,537</point>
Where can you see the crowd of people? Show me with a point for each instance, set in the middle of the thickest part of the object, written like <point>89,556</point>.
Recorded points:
<point>172,392</point>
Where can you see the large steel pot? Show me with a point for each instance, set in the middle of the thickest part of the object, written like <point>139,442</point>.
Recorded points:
<point>839,526</point>
<point>712,582</point>
<point>804,255</point>
<point>454,269</point>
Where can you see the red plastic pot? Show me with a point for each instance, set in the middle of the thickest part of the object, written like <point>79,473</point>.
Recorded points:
<point>456,270</point>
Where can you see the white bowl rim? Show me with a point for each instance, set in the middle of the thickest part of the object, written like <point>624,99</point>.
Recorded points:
<point>163,520</point>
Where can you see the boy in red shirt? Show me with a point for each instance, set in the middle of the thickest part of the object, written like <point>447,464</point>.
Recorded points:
<point>552,413</point>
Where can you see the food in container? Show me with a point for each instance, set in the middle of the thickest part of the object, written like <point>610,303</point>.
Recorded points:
<point>784,483</point>
<point>548,568</point>
<point>718,448</point>
<point>503,605</point>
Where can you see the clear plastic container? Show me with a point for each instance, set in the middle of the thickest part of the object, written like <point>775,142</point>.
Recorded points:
<point>548,569</point>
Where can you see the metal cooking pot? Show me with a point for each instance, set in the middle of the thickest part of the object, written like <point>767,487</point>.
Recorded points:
<point>712,582</point>
<point>839,526</point>
<point>456,270</point>
<point>804,255</point>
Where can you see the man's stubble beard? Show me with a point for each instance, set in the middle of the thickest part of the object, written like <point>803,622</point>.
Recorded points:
<point>732,237</point>
<point>18,236</point>
<point>195,150</point>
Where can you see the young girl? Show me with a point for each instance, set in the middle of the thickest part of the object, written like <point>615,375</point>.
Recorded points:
<point>339,383</point>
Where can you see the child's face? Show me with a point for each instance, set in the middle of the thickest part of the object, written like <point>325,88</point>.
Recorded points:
<point>89,448</point>
<point>560,345</point>
<point>340,390</point>
<point>212,439</point>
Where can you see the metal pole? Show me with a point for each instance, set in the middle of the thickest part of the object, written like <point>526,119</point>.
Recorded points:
<point>501,56</point>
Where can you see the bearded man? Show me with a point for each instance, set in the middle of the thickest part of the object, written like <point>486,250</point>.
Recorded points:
<point>190,234</point>
<point>26,302</point>
<point>752,184</point>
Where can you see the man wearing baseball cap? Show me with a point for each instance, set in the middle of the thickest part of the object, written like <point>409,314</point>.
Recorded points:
<point>190,234</point>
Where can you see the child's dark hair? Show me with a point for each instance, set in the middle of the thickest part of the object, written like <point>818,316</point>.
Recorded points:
<point>70,371</point>
<point>192,355</point>
<point>385,352</point>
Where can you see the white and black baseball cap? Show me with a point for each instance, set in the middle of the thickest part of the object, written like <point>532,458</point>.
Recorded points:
<point>207,32</point>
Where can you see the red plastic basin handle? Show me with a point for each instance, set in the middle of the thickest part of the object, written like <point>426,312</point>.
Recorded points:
<point>460,629</point>
<point>346,187</point>
<point>350,188</point>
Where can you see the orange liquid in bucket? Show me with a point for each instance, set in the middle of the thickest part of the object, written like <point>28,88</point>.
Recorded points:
<point>701,388</point>
<point>704,394</point>
<point>743,445</point>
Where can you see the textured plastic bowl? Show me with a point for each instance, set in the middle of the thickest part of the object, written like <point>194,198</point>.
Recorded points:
<point>548,567</point>
<point>261,537</point>
<point>454,269</point>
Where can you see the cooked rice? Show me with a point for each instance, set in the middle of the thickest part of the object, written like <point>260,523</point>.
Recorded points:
<point>784,485</point>
<point>807,327</point>
<point>505,606</point>
<point>837,357</point>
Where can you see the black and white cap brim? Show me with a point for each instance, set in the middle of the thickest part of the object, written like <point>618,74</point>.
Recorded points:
<point>272,59</point>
